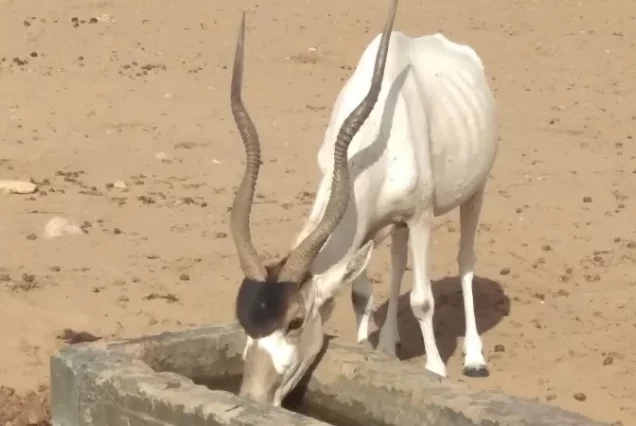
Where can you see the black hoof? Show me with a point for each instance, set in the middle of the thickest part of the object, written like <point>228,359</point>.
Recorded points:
<point>476,371</point>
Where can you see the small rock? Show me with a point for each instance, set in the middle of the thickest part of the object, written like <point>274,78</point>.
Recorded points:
<point>579,396</point>
<point>116,231</point>
<point>146,199</point>
<point>59,226</point>
<point>5,277</point>
<point>162,156</point>
<point>55,268</point>
<point>587,199</point>
<point>123,298</point>
<point>17,187</point>
<point>608,360</point>
<point>73,337</point>
<point>184,277</point>
<point>504,271</point>
<point>500,348</point>
<point>31,237</point>
<point>169,297</point>
<point>119,184</point>
<point>550,397</point>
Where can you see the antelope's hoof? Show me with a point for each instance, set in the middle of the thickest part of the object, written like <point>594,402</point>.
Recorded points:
<point>475,371</point>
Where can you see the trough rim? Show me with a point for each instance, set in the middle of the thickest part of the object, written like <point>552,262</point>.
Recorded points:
<point>360,367</point>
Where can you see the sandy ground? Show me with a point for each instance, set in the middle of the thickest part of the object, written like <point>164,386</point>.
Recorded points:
<point>86,103</point>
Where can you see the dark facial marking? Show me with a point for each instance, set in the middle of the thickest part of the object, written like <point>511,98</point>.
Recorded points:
<point>261,306</point>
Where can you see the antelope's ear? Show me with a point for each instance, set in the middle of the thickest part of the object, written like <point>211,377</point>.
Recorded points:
<point>342,273</point>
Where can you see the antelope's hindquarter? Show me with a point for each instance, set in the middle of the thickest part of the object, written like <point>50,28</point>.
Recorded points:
<point>458,118</point>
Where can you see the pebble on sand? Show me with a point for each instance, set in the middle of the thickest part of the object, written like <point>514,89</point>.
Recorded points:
<point>59,226</point>
<point>17,187</point>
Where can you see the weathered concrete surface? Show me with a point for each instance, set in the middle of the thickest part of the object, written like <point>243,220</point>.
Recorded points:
<point>99,385</point>
<point>146,382</point>
<point>394,393</point>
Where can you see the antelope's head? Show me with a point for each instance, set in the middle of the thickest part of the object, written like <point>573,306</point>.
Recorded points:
<point>282,307</point>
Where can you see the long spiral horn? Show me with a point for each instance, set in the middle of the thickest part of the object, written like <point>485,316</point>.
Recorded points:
<point>251,263</point>
<point>300,259</point>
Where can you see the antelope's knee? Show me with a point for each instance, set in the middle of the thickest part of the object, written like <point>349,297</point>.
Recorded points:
<point>421,305</point>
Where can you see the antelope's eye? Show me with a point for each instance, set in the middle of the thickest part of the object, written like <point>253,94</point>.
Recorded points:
<point>295,324</point>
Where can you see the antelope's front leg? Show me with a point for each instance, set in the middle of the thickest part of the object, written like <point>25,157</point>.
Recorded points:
<point>422,301</point>
<point>390,333</point>
<point>362,301</point>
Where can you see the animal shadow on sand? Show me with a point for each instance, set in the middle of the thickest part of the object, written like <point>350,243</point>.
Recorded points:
<point>491,306</point>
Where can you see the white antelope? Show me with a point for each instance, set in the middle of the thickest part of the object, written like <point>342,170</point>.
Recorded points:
<point>417,131</point>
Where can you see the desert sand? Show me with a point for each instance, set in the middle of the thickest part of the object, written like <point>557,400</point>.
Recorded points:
<point>119,111</point>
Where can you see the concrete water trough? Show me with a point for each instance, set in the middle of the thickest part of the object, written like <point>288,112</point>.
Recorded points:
<point>189,378</point>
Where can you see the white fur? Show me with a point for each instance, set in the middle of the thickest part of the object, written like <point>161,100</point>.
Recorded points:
<point>427,148</point>
<point>283,354</point>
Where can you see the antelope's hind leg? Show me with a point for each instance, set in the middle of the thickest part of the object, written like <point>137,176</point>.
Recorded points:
<point>362,302</point>
<point>422,301</point>
<point>474,362</point>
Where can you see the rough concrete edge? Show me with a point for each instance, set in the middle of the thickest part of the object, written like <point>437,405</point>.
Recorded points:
<point>89,382</point>
<point>215,345</point>
<point>382,385</point>
<point>372,374</point>
<point>370,377</point>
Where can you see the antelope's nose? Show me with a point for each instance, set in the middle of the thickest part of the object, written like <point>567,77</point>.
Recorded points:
<point>260,379</point>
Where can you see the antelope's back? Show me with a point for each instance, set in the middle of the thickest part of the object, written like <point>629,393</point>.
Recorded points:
<point>459,110</point>
<point>431,135</point>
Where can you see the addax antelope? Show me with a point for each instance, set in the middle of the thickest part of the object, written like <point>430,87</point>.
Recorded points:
<point>415,127</point>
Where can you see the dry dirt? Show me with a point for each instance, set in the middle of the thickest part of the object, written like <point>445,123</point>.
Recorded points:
<point>92,91</point>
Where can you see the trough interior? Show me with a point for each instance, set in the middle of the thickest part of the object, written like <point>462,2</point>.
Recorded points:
<point>220,368</point>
